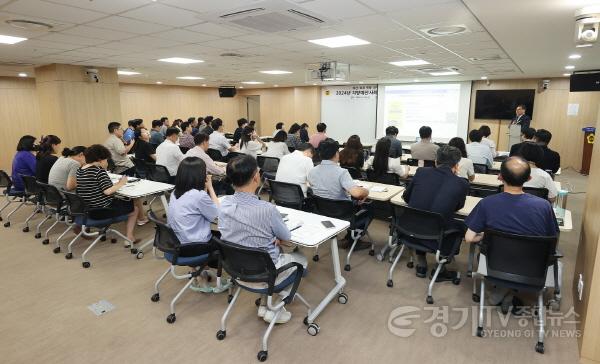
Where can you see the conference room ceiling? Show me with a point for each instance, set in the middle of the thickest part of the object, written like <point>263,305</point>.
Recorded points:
<point>505,39</point>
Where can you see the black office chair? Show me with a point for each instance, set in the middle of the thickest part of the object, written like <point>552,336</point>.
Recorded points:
<point>483,191</point>
<point>252,265</point>
<point>54,202</point>
<point>141,167</point>
<point>412,162</point>
<point>6,184</point>
<point>413,227</point>
<point>428,163</point>
<point>345,210</point>
<point>183,149</point>
<point>33,195</point>
<point>100,219</point>
<point>158,173</point>
<point>480,168</point>
<point>167,242</point>
<point>215,155</point>
<point>539,192</point>
<point>382,209</point>
<point>268,169</point>
<point>520,263</point>
<point>292,149</point>
<point>111,165</point>
<point>354,172</point>
<point>286,194</point>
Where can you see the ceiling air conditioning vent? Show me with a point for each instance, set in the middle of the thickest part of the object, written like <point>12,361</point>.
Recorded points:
<point>29,24</point>
<point>304,15</point>
<point>445,31</point>
<point>495,57</point>
<point>241,12</point>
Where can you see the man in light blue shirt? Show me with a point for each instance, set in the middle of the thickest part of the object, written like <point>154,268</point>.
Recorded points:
<point>477,152</point>
<point>246,220</point>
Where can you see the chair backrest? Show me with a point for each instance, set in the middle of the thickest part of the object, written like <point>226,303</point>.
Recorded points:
<point>247,264</point>
<point>480,168</point>
<point>111,165</point>
<point>5,181</point>
<point>412,162</point>
<point>267,164</point>
<point>518,258</point>
<point>141,167</point>
<point>75,204</point>
<point>292,149</point>
<point>232,155</point>
<point>428,163</point>
<point>338,209</point>
<point>386,178</point>
<point>165,238</point>
<point>354,173</point>
<point>539,192</point>
<point>418,224</point>
<point>31,185</point>
<point>215,155</point>
<point>483,191</point>
<point>158,173</point>
<point>286,194</point>
<point>183,149</point>
<point>52,196</point>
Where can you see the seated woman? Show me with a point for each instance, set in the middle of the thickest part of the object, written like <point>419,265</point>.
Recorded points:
<point>277,147</point>
<point>97,190</point>
<point>63,173</point>
<point>465,166</point>
<point>293,137</point>
<point>46,156</point>
<point>192,208</point>
<point>381,163</point>
<point>250,143</point>
<point>352,154</point>
<point>24,163</point>
<point>143,149</point>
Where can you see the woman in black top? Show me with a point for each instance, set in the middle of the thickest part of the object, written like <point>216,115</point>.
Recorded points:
<point>237,134</point>
<point>304,133</point>
<point>143,149</point>
<point>46,156</point>
<point>352,154</point>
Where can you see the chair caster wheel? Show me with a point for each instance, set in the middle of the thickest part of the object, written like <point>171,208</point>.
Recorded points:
<point>429,300</point>
<point>26,229</point>
<point>480,331</point>
<point>171,318</point>
<point>262,355</point>
<point>56,250</point>
<point>554,305</point>
<point>343,298</point>
<point>229,298</point>
<point>313,329</point>
<point>475,298</point>
<point>379,257</point>
<point>221,334</point>
<point>155,297</point>
<point>7,224</point>
<point>133,251</point>
<point>140,255</point>
<point>390,283</point>
<point>103,238</point>
<point>315,258</point>
<point>46,241</point>
<point>112,241</point>
<point>86,264</point>
<point>539,347</point>
<point>257,302</point>
<point>69,256</point>
<point>410,265</point>
<point>371,252</point>
<point>305,321</point>
<point>456,281</point>
<point>347,267</point>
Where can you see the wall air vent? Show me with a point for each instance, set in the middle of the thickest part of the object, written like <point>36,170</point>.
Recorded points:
<point>241,12</point>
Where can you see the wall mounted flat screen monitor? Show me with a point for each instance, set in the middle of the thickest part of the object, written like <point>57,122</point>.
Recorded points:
<point>501,104</point>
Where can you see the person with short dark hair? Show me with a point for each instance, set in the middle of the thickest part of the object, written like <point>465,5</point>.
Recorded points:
<point>440,190</point>
<point>168,153</point>
<point>465,165</point>
<point>186,140</point>
<point>551,159</point>
<point>424,149</point>
<point>352,154</point>
<point>144,150</point>
<point>218,140</point>
<point>382,163</point>
<point>201,125</point>
<point>250,143</point>
<point>156,137</point>
<point>295,167</point>
<point>534,154</point>
<point>293,140</point>
<point>512,211</point>
<point>278,128</point>
<point>246,220</point>
<point>23,163</point>
<point>485,133</point>
<point>201,142</point>
<point>166,124</point>
<point>237,134</point>
<point>46,156</point>
<point>208,130</point>
<point>97,190</point>
<point>391,133</point>
<point>118,150</point>
<point>63,173</point>
<point>478,152</point>
<point>304,133</point>
<point>128,134</point>
<point>527,135</point>
<point>317,138</point>
<point>521,118</point>
<point>277,147</point>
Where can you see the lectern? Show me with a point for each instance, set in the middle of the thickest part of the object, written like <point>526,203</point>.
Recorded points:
<point>514,135</point>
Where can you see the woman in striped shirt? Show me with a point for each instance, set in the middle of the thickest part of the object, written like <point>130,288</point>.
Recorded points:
<point>97,190</point>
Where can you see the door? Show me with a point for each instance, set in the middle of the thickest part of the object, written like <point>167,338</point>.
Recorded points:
<point>253,110</point>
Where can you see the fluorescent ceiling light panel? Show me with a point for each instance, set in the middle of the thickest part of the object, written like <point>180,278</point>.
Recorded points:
<point>569,67</point>
<point>566,74</point>
<point>22,74</point>
<point>444,73</point>
<point>7,39</point>
<point>180,60</point>
<point>190,78</point>
<point>411,62</point>
<point>484,77</point>
<point>252,82</point>
<point>276,72</point>
<point>575,56</point>
<point>127,73</point>
<point>584,45</point>
<point>341,41</point>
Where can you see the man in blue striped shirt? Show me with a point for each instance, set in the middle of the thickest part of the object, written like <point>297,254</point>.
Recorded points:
<point>246,220</point>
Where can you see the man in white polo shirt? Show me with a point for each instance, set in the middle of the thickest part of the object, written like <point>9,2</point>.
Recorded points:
<point>294,167</point>
<point>534,154</point>
<point>168,153</point>
<point>217,139</point>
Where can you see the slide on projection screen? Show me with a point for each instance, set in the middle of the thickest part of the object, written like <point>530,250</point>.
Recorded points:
<point>442,106</point>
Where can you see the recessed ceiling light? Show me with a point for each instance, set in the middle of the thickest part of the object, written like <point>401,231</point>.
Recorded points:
<point>585,45</point>
<point>253,82</point>
<point>575,56</point>
<point>127,73</point>
<point>276,72</point>
<point>314,84</point>
<point>569,67</point>
<point>410,62</point>
<point>159,82</point>
<point>484,77</point>
<point>566,74</point>
<point>8,39</point>
<point>22,74</point>
<point>444,73</point>
<point>180,60</point>
<point>241,87</point>
<point>190,78</point>
<point>341,41</point>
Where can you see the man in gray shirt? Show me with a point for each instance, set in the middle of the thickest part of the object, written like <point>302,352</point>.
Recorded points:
<point>424,150</point>
<point>118,149</point>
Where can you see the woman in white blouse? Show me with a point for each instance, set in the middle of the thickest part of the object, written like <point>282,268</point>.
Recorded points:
<point>381,162</point>
<point>465,165</point>
<point>277,148</point>
<point>485,130</point>
<point>250,143</point>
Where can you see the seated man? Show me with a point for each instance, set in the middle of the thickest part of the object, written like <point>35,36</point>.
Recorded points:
<point>220,186</point>
<point>526,137</point>
<point>329,180</point>
<point>168,153</point>
<point>278,128</point>
<point>511,211</point>
<point>218,140</point>
<point>391,133</point>
<point>237,134</point>
<point>478,152</point>
<point>246,220</point>
<point>295,167</point>
<point>118,150</point>
<point>156,136</point>
<point>551,160</point>
<point>440,190</point>
<point>321,135</point>
<point>424,150</point>
<point>534,154</point>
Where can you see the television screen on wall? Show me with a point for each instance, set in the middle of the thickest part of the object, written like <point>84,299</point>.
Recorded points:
<point>501,104</point>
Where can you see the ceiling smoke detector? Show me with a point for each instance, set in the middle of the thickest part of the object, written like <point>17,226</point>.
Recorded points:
<point>445,30</point>
<point>28,24</point>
